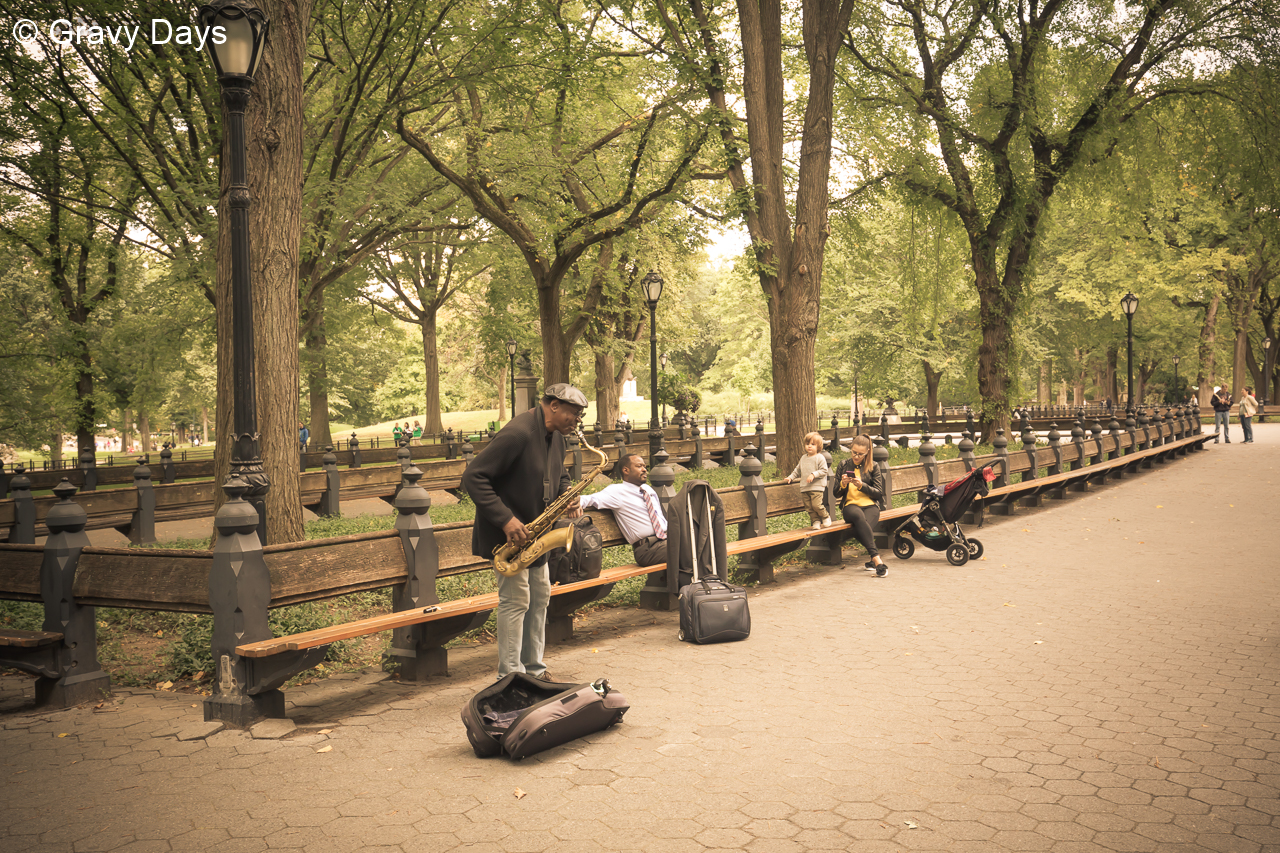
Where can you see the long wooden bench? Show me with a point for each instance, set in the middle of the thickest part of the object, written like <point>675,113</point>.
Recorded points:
<point>769,543</point>
<point>411,558</point>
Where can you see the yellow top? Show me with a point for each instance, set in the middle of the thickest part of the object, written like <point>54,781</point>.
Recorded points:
<point>855,496</point>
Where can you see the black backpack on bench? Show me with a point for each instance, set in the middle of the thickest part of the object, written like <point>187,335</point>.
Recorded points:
<point>583,559</point>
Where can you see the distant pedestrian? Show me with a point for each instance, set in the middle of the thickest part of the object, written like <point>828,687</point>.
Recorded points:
<point>395,433</point>
<point>812,471</point>
<point>1221,401</point>
<point>1248,408</point>
<point>417,432</point>
<point>304,435</point>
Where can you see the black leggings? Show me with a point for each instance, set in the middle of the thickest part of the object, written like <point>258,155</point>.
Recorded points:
<point>863,520</point>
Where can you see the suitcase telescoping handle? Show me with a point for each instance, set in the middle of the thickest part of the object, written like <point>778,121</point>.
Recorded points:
<point>693,546</point>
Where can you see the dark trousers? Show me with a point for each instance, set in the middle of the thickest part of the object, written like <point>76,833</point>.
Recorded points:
<point>863,520</point>
<point>650,552</point>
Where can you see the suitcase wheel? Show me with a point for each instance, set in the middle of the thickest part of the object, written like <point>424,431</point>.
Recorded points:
<point>680,636</point>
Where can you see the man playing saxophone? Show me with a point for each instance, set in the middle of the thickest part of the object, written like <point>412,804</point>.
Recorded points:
<point>511,482</point>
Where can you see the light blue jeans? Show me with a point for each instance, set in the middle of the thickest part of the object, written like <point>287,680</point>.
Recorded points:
<point>1223,420</point>
<point>522,620</point>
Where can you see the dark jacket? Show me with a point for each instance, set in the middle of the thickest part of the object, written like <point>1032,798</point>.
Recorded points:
<point>695,530</point>
<point>506,477</point>
<point>873,483</point>
<point>1221,402</point>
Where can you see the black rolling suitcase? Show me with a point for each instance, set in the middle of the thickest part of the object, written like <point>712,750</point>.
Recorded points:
<point>712,611</point>
<point>521,715</point>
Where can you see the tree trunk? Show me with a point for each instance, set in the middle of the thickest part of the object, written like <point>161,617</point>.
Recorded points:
<point>1113,383</point>
<point>1208,337</point>
<point>1242,295</point>
<point>431,361</point>
<point>931,380</point>
<point>144,431</point>
<point>274,135</point>
<point>789,263</point>
<point>1046,373</point>
<point>55,449</point>
<point>317,367</point>
<point>504,385</point>
<point>606,388</point>
<point>995,353</point>
<point>204,425</point>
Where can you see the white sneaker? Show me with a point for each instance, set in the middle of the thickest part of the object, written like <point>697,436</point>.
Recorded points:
<point>817,525</point>
<point>826,522</point>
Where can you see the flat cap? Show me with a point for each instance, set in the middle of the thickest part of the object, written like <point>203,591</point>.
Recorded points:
<point>565,392</point>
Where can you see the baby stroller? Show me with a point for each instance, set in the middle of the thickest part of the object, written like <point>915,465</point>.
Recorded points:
<point>936,526</point>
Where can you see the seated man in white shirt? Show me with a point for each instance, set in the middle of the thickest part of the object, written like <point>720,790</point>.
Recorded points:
<point>636,510</point>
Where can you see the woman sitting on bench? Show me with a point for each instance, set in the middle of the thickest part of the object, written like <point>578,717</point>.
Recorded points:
<point>860,490</point>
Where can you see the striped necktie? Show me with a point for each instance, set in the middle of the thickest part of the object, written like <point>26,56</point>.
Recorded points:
<point>659,524</point>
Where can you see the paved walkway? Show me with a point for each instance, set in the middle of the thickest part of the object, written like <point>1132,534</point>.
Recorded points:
<point>1106,679</point>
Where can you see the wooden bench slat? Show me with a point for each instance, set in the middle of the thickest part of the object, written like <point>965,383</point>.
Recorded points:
<point>27,639</point>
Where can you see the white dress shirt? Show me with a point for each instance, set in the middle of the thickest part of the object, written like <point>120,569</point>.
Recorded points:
<point>628,508</point>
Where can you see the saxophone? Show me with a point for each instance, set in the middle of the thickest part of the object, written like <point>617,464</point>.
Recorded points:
<point>509,560</point>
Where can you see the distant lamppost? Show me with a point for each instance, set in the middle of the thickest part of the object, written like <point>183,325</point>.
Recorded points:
<point>511,354</point>
<point>236,59</point>
<point>652,285</point>
<point>663,361</point>
<point>1177,388</point>
<point>1266,376</point>
<point>1130,306</point>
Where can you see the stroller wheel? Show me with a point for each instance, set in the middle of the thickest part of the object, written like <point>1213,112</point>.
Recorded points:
<point>957,555</point>
<point>975,549</point>
<point>903,548</point>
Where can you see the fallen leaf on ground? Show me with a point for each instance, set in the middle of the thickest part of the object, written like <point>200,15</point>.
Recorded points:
<point>1159,506</point>
<point>64,734</point>
<point>325,748</point>
<point>911,824</point>
<point>520,794</point>
<point>324,731</point>
<point>1039,642</point>
<point>1007,604</point>
<point>164,685</point>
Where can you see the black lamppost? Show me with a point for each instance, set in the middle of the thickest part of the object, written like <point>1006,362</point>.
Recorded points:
<point>662,359</point>
<point>236,60</point>
<point>1177,389</point>
<point>652,284</point>
<point>855,421</point>
<point>1130,306</point>
<point>511,354</point>
<point>1267,367</point>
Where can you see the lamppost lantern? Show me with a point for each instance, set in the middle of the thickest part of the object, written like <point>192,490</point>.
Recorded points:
<point>1129,304</point>
<point>663,359</point>
<point>245,27</point>
<point>651,284</point>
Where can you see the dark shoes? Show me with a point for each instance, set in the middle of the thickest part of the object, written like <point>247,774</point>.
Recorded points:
<point>881,570</point>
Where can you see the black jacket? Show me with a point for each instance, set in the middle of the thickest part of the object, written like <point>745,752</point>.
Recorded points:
<point>695,530</point>
<point>506,478</point>
<point>1221,402</point>
<point>873,483</point>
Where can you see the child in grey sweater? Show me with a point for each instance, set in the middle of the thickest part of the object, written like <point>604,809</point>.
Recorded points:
<point>812,471</point>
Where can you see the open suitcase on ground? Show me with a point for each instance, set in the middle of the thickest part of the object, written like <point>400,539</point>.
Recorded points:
<point>711,610</point>
<point>520,715</point>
